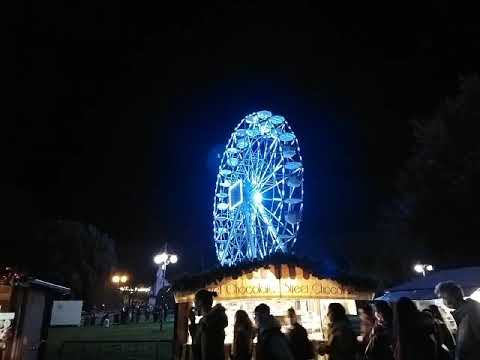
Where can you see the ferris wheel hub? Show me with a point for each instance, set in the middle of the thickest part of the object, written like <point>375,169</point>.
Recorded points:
<point>257,198</point>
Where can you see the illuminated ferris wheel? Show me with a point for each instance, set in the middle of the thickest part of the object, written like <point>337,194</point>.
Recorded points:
<point>258,202</point>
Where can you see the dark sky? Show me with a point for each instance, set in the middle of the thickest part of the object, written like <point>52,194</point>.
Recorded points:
<point>117,110</point>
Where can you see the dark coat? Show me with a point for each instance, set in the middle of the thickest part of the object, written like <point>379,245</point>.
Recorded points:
<point>379,346</point>
<point>272,344</point>
<point>299,343</point>
<point>208,336</point>
<point>242,347</point>
<point>467,317</point>
<point>342,344</point>
<point>416,345</point>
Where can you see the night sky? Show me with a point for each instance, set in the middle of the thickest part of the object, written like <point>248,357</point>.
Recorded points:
<point>116,111</point>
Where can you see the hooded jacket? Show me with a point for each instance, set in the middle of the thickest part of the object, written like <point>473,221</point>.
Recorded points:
<point>272,344</point>
<point>209,335</point>
<point>467,317</point>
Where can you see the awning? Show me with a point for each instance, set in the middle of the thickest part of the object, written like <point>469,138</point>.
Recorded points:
<point>423,288</point>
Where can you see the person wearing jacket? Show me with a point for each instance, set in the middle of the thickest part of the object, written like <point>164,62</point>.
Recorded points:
<point>379,346</point>
<point>341,344</point>
<point>271,342</point>
<point>243,334</point>
<point>442,334</point>
<point>298,338</point>
<point>208,336</point>
<point>467,316</point>
<point>367,322</point>
<point>413,340</point>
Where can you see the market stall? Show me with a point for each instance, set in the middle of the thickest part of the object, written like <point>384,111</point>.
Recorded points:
<point>280,285</point>
<point>25,310</point>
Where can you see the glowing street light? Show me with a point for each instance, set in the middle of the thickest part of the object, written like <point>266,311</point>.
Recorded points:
<point>119,279</point>
<point>165,259</point>
<point>423,268</point>
<point>162,260</point>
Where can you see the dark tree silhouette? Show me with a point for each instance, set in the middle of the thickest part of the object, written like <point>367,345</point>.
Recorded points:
<point>77,255</point>
<point>436,214</point>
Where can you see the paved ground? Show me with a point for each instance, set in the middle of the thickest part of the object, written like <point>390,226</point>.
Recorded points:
<point>118,336</point>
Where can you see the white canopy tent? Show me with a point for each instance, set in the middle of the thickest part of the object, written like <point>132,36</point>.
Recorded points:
<point>423,288</point>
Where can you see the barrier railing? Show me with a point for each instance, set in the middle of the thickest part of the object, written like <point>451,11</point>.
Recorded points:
<point>116,350</point>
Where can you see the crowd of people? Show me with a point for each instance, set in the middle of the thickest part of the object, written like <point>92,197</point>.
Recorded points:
<point>133,313</point>
<point>137,311</point>
<point>397,331</point>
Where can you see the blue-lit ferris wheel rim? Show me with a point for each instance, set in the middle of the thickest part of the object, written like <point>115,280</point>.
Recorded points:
<point>261,163</point>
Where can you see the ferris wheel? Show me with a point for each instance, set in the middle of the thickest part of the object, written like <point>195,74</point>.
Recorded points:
<point>258,202</point>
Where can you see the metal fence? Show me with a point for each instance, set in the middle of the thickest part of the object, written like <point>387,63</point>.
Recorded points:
<point>116,350</point>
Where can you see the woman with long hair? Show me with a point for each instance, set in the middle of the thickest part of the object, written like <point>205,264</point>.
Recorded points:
<point>341,344</point>
<point>243,334</point>
<point>379,345</point>
<point>367,322</point>
<point>412,338</point>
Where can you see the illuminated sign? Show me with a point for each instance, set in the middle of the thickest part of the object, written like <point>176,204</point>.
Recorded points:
<point>313,288</point>
<point>137,289</point>
<point>262,283</point>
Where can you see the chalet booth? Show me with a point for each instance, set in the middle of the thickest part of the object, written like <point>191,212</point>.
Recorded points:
<point>280,286</point>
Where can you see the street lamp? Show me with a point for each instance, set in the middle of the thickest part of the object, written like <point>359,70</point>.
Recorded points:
<point>173,259</point>
<point>422,268</point>
<point>163,260</point>
<point>118,279</point>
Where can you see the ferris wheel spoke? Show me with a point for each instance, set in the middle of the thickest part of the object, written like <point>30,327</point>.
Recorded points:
<point>275,217</point>
<point>257,157</point>
<point>273,171</point>
<point>262,244</point>
<point>279,206</point>
<point>272,152</point>
<point>285,228</point>
<point>273,174</point>
<point>272,199</point>
<point>231,238</point>
<point>270,228</point>
<point>272,186</point>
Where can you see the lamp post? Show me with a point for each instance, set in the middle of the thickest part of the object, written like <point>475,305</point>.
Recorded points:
<point>119,281</point>
<point>162,260</point>
<point>423,268</point>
